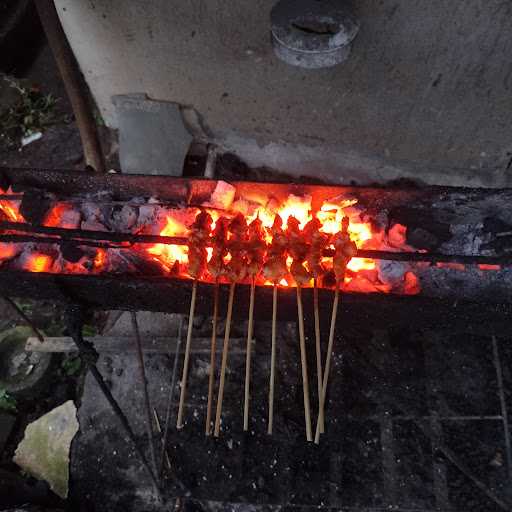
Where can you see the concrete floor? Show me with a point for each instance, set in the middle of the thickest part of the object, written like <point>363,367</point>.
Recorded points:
<point>395,397</point>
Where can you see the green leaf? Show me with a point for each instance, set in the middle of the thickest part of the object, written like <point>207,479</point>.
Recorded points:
<point>72,366</point>
<point>7,402</point>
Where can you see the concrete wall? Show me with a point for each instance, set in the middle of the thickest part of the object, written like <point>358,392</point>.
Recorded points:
<point>426,93</point>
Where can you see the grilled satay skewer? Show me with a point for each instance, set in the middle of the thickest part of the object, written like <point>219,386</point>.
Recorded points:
<point>256,256</point>
<point>215,268</point>
<point>298,249</point>
<point>197,255</point>
<point>235,271</point>
<point>318,242</point>
<point>274,270</point>
<point>344,250</point>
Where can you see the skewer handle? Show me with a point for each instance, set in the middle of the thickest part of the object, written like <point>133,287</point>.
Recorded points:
<point>272,363</point>
<point>184,377</point>
<point>318,347</point>
<point>248,354</point>
<point>211,378</point>
<point>321,408</point>
<point>304,365</point>
<point>225,349</point>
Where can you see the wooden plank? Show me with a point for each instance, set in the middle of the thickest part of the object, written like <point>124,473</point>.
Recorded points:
<point>125,344</point>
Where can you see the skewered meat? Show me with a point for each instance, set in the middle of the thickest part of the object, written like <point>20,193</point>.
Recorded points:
<point>199,234</point>
<point>236,269</point>
<point>300,273</point>
<point>275,267</point>
<point>219,246</point>
<point>256,248</point>
<point>297,249</point>
<point>344,249</point>
<point>297,245</point>
<point>317,243</point>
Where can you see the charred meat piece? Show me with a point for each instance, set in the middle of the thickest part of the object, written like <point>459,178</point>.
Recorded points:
<point>344,249</point>
<point>297,249</point>
<point>219,245</point>
<point>197,240</point>
<point>236,269</point>
<point>256,248</point>
<point>317,243</point>
<point>275,267</point>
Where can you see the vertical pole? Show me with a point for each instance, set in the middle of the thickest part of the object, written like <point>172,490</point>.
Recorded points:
<point>73,82</point>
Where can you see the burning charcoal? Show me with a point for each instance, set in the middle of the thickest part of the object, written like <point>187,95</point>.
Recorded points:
<point>222,197</point>
<point>71,252</point>
<point>245,207</point>
<point>124,218</point>
<point>341,201</point>
<point>71,219</point>
<point>63,215</point>
<point>91,211</point>
<point>422,239</point>
<point>9,251</point>
<point>392,272</point>
<point>397,236</point>
<point>148,214</point>
<point>34,206</point>
<point>141,264</point>
<point>37,259</point>
<point>93,225</point>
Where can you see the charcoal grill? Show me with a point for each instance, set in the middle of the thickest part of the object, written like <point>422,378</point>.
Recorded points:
<point>460,240</point>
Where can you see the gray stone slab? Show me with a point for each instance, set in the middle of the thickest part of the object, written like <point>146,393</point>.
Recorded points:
<point>44,450</point>
<point>150,324</point>
<point>152,136</point>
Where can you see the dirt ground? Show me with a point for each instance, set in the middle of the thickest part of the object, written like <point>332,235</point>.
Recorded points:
<point>60,148</point>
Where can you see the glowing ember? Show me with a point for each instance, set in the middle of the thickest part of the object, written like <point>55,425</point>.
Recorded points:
<point>10,208</point>
<point>8,251</point>
<point>38,263</point>
<point>483,266</point>
<point>100,260</point>
<point>362,271</point>
<point>62,215</point>
<point>363,275</point>
<point>170,254</point>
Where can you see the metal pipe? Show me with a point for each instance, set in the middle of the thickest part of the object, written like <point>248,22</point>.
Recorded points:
<point>73,82</point>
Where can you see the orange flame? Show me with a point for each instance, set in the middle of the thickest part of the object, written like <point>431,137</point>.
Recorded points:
<point>169,254</point>
<point>100,260</point>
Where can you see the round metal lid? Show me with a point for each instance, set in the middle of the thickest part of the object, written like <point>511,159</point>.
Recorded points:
<point>312,33</point>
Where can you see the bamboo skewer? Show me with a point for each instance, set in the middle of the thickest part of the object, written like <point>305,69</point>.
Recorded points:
<point>144,381</point>
<point>225,349</point>
<point>303,361</point>
<point>159,430</point>
<point>250,328</point>
<point>272,363</point>
<point>170,399</point>
<point>213,349</point>
<point>184,377</point>
<point>318,346</point>
<point>321,415</point>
